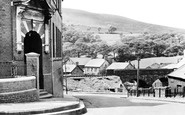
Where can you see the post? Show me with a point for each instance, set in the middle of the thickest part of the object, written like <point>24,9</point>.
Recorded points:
<point>66,86</point>
<point>32,62</point>
<point>138,59</point>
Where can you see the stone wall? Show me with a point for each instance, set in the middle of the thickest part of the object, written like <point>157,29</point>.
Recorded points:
<point>22,89</point>
<point>5,31</point>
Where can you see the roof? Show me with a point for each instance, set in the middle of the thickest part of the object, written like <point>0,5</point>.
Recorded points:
<point>146,62</point>
<point>68,68</point>
<point>118,65</point>
<point>95,63</point>
<point>178,73</point>
<point>81,61</point>
<point>170,66</point>
<point>181,62</point>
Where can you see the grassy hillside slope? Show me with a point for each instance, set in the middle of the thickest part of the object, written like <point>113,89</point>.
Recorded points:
<point>87,21</point>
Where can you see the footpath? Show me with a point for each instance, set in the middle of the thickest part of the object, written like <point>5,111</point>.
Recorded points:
<point>164,99</point>
<point>51,106</point>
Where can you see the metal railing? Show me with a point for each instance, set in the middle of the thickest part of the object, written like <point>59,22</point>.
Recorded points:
<point>159,92</point>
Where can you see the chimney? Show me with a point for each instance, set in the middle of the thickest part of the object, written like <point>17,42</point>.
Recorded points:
<point>77,63</point>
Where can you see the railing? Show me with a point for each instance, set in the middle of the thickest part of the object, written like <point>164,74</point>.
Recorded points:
<point>159,92</point>
<point>82,76</point>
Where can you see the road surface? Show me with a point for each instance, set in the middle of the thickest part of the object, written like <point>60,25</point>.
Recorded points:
<point>105,104</point>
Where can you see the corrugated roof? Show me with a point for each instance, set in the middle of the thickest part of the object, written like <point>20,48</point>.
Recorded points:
<point>68,68</point>
<point>81,61</point>
<point>118,65</point>
<point>95,63</point>
<point>178,73</point>
<point>144,63</point>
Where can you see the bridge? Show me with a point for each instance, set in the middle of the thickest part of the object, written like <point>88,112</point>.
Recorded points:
<point>147,75</point>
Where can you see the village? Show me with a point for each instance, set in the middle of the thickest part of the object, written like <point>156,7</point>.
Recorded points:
<point>48,67</point>
<point>160,74</point>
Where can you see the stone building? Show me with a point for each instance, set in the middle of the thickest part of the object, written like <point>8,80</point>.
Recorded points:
<point>32,26</point>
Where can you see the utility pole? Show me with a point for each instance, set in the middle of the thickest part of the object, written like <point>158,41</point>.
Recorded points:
<point>138,59</point>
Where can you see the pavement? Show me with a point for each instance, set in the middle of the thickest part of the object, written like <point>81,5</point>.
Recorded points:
<point>164,99</point>
<point>50,105</point>
<point>70,102</point>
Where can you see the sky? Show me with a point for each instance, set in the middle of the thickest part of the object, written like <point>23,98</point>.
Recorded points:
<point>162,12</point>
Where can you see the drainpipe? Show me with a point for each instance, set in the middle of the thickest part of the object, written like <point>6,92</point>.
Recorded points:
<point>12,27</point>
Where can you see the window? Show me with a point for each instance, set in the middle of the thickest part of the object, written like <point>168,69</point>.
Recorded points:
<point>57,41</point>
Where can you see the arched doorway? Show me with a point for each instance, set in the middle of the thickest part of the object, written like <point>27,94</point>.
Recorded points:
<point>33,43</point>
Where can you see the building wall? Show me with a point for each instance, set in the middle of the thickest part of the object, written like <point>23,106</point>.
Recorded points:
<point>157,83</point>
<point>95,70</point>
<point>77,71</point>
<point>11,31</point>
<point>5,31</point>
<point>91,70</point>
<point>57,68</point>
<point>57,77</point>
<point>6,37</point>
<point>174,83</point>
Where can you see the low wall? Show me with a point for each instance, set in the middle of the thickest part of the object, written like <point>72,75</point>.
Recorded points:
<point>20,89</point>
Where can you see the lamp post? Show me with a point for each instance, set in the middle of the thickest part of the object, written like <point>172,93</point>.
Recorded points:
<point>138,59</point>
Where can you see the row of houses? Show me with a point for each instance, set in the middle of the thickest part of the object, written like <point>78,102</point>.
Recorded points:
<point>88,66</point>
<point>84,66</point>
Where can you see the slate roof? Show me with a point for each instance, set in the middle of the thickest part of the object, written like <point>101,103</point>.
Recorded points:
<point>146,62</point>
<point>181,62</point>
<point>68,68</point>
<point>170,66</point>
<point>177,65</point>
<point>81,61</point>
<point>178,73</point>
<point>95,63</point>
<point>118,65</point>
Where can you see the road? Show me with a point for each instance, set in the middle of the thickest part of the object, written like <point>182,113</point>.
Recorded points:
<point>101,104</point>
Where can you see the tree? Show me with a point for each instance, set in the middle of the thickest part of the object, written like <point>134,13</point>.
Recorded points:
<point>103,49</point>
<point>99,29</point>
<point>174,51</point>
<point>112,29</point>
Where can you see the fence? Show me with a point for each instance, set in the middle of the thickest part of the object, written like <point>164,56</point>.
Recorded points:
<point>159,92</point>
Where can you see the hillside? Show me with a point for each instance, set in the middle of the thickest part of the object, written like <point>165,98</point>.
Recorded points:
<point>87,21</point>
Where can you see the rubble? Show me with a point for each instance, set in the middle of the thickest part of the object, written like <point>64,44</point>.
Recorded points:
<point>96,84</point>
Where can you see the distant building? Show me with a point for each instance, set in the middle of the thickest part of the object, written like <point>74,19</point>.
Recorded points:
<point>119,66</point>
<point>78,61</point>
<point>72,70</point>
<point>177,79</point>
<point>156,62</point>
<point>180,63</point>
<point>95,66</point>
<point>161,82</point>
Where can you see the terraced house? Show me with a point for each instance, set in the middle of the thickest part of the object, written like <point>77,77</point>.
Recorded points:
<point>32,26</point>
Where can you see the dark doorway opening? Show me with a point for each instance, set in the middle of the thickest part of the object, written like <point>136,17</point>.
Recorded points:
<point>33,43</point>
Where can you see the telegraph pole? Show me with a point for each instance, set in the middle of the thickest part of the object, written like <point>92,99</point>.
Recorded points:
<point>138,59</point>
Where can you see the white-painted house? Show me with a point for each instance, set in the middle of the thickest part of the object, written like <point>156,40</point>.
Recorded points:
<point>95,66</point>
